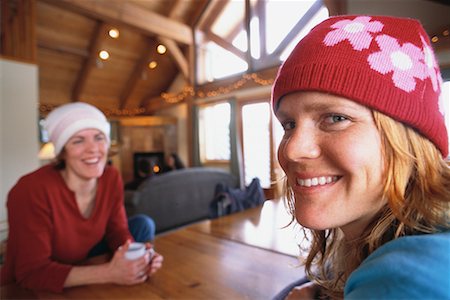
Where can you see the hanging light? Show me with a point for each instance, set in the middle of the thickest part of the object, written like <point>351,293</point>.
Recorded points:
<point>152,64</point>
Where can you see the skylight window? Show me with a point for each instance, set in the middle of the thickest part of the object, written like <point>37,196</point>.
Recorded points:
<point>275,27</point>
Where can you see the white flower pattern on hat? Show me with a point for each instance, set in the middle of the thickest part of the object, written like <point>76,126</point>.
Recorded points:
<point>404,61</point>
<point>357,32</point>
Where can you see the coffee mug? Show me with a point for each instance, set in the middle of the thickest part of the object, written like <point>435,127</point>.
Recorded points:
<point>135,250</point>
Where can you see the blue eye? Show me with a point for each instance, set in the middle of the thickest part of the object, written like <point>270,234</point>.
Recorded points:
<point>335,119</point>
<point>288,125</point>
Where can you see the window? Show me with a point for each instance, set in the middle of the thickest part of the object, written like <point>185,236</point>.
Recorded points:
<point>256,142</point>
<point>275,27</point>
<point>214,132</point>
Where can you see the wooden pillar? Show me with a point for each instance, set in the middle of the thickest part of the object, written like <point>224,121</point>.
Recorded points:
<point>18,30</point>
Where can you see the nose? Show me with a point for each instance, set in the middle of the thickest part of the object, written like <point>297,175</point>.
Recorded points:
<point>91,145</point>
<point>302,143</point>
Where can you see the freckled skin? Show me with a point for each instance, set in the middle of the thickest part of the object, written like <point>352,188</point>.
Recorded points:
<point>326,135</point>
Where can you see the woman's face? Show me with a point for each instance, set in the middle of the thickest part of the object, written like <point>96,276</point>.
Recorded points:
<point>331,154</point>
<point>86,154</point>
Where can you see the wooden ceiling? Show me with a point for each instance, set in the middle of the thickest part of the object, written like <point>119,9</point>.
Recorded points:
<point>70,34</point>
<point>66,36</point>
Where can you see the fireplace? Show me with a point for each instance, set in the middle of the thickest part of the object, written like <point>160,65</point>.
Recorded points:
<point>146,164</point>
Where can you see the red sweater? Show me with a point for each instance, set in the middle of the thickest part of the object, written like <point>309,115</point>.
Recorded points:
<point>48,234</point>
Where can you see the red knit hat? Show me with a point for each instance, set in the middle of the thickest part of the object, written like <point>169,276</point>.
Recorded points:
<point>385,63</point>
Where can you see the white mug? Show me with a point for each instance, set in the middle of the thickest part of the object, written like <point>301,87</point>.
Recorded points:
<point>135,250</point>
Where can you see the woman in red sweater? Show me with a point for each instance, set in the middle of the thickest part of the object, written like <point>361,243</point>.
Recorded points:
<point>62,213</point>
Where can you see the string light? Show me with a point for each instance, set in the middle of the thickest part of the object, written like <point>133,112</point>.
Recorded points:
<point>126,112</point>
<point>189,91</point>
<point>440,36</point>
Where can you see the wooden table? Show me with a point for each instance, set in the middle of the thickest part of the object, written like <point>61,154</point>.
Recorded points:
<point>217,259</point>
<point>267,227</point>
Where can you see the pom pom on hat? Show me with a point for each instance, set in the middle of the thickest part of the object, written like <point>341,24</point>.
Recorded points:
<point>384,63</point>
<point>66,120</point>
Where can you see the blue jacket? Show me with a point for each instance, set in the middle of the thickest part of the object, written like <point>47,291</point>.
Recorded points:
<point>412,267</point>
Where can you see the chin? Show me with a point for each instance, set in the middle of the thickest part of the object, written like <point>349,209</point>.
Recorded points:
<point>313,222</point>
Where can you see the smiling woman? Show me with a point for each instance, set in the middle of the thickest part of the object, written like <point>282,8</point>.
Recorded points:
<point>364,151</point>
<point>72,209</point>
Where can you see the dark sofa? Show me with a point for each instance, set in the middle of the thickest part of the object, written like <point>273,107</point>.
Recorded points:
<point>178,197</point>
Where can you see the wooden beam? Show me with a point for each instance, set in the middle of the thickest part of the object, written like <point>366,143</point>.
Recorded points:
<point>135,76</point>
<point>124,12</point>
<point>90,61</point>
<point>336,7</point>
<point>147,121</point>
<point>247,18</point>
<point>261,12</point>
<point>224,44</point>
<point>299,26</point>
<point>18,29</point>
<point>211,13</point>
<point>155,104</point>
<point>63,49</point>
<point>177,55</point>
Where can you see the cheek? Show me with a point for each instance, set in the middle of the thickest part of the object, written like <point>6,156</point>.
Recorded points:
<point>281,158</point>
<point>364,158</point>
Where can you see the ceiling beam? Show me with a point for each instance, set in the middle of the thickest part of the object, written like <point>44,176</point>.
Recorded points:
<point>136,75</point>
<point>226,45</point>
<point>63,49</point>
<point>212,11</point>
<point>336,7</point>
<point>296,29</point>
<point>90,62</point>
<point>261,13</point>
<point>177,55</point>
<point>124,12</point>
<point>155,104</point>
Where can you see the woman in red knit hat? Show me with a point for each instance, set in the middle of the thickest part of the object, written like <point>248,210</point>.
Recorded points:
<point>364,154</point>
<point>72,209</point>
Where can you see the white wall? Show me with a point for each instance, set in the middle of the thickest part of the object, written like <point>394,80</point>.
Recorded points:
<point>18,127</point>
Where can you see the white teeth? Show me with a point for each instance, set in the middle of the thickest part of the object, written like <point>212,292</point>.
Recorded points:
<point>91,161</point>
<point>322,180</point>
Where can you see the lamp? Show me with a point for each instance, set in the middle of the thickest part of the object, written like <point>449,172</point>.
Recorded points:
<point>47,151</point>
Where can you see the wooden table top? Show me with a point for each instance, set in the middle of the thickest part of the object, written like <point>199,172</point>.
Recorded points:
<point>265,227</point>
<point>202,264</point>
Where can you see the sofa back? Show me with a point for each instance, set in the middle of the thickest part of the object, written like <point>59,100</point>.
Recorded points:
<point>178,197</point>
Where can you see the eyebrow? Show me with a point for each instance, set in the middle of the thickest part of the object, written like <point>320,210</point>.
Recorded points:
<point>324,105</point>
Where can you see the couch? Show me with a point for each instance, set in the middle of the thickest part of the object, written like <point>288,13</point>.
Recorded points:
<point>178,197</point>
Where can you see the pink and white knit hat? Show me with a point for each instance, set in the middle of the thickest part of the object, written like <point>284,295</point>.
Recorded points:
<point>384,63</point>
<point>66,120</point>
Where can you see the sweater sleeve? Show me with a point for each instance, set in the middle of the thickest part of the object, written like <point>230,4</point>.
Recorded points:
<point>117,231</point>
<point>413,267</point>
<point>30,239</point>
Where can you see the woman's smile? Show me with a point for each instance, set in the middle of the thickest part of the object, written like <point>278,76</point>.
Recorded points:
<point>331,154</point>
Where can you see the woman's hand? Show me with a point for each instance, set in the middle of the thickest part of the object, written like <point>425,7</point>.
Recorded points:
<point>128,272</point>
<point>305,291</point>
<point>156,260</point>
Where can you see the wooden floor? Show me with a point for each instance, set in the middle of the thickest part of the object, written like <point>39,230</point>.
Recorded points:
<point>241,256</point>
